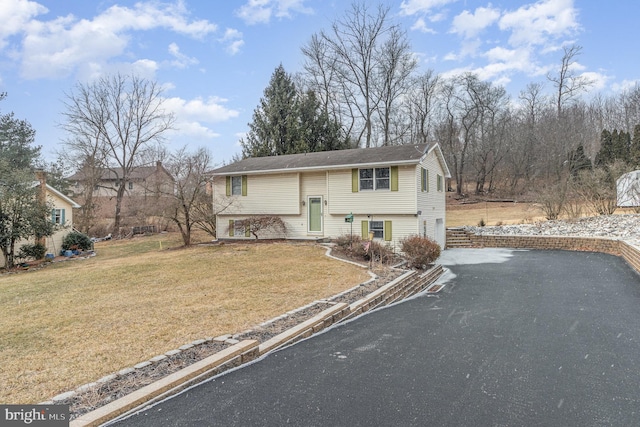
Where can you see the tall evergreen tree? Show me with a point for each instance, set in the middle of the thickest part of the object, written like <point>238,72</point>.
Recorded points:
<point>606,154</point>
<point>274,129</point>
<point>634,149</point>
<point>620,142</point>
<point>578,161</point>
<point>286,122</point>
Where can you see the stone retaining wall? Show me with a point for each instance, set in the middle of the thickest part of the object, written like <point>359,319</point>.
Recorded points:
<point>629,252</point>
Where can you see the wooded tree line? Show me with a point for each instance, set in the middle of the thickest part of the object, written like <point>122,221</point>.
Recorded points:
<point>365,80</point>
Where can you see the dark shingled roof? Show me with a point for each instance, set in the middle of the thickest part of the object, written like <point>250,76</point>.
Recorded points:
<point>328,159</point>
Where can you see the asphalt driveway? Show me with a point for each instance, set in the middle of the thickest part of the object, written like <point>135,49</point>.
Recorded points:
<point>517,338</point>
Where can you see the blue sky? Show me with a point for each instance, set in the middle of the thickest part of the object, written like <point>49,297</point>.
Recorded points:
<point>215,57</point>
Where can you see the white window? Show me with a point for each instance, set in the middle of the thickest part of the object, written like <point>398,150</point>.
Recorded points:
<point>440,183</point>
<point>236,185</point>
<point>130,185</point>
<point>57,216</point>
<point>375,179</point>
<point>377,228</point>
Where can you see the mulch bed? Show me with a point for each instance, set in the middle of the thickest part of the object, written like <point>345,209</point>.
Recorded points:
<point>122,385</point>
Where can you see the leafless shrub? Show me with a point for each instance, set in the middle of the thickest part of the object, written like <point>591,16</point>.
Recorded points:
<point>420,251</point>
<point>257,225</point>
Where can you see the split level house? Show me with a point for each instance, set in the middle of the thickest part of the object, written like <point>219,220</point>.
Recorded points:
<point>61,214</point>
<point>388,192</point>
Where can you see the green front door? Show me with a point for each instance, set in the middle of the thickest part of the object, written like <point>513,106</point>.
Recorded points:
<point>315,214</point>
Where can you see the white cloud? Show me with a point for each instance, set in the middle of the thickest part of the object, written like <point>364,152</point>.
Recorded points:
<point>15,14</point>
<point>233,39</point>
<point>411,7</point>
<point>421,25</point>
<point>538,23</point>
<point>67,43</point>
<point>469,25</point>
<point>191,114</point>
<point>598,80</point>
<point>625,85</point>
<point>181,60</point>
<point>261,11</point>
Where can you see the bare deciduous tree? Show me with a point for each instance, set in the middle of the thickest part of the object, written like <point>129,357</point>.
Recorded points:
<point>185,201</point>
<point>568,83</point>
<point>123,115</point>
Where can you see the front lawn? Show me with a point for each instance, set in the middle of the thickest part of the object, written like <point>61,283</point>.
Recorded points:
<point>74,322</point>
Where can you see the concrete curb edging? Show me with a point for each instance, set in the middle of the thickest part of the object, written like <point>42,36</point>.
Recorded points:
<point>305,329</point>
<point>403,286</point>
<point>244,350</point>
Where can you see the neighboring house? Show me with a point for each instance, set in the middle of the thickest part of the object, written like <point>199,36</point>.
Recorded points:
<point>628,189</point>
<point>143,200</point>
<point>393,191</point>
<point>143,181</point>
<point>61,214</point>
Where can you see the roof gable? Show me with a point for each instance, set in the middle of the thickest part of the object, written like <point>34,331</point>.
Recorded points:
<point>357,157</point>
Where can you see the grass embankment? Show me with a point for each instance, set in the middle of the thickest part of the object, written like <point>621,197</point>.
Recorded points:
<point>74,322</point>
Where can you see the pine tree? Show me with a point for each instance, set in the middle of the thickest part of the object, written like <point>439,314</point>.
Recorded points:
<point>274,128</point>
<point>287,122</point>
<point>634,149</point>
<point>579,161</point>
<point>606,155</point>
<point>620,142</point>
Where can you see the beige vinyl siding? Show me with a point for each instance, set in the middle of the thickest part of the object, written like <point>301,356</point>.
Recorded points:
<point>372,202</point>
<point>401,226</point>
<point>431,203</point>
<point>53,242</point>
<point>277,194</point>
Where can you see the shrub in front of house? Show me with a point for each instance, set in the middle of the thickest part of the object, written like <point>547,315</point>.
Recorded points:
<point>76,240</point>
<point>351,246</point>
<point>32,251</point>
<point>379,253</point>
<point>356,248</point>
<point>420,252</point>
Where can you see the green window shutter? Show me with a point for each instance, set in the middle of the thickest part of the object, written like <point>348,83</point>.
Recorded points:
<point>394,178</point>
<point>53,216</point>
<point>62,217</point>
<point>354,180</point>
<point>228,185</point>
<point>230,228</point>
<point>244,185</point>
<point>423,179</point>
<point>247,229</point>
<point>365,230</point>
<point>388,235</point>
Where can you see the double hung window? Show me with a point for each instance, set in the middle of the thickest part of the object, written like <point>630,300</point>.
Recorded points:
<point>375,179</point>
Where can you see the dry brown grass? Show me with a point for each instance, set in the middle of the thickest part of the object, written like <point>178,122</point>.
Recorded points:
<point>492,213</point>
<point>498,213</point>
<point>74,322</point>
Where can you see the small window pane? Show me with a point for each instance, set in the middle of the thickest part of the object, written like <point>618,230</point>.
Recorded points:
<point>377,227</point>
<point>366,179</point>
<point>382,179</point>
<point>57,216</point>
<point>236,185</point>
